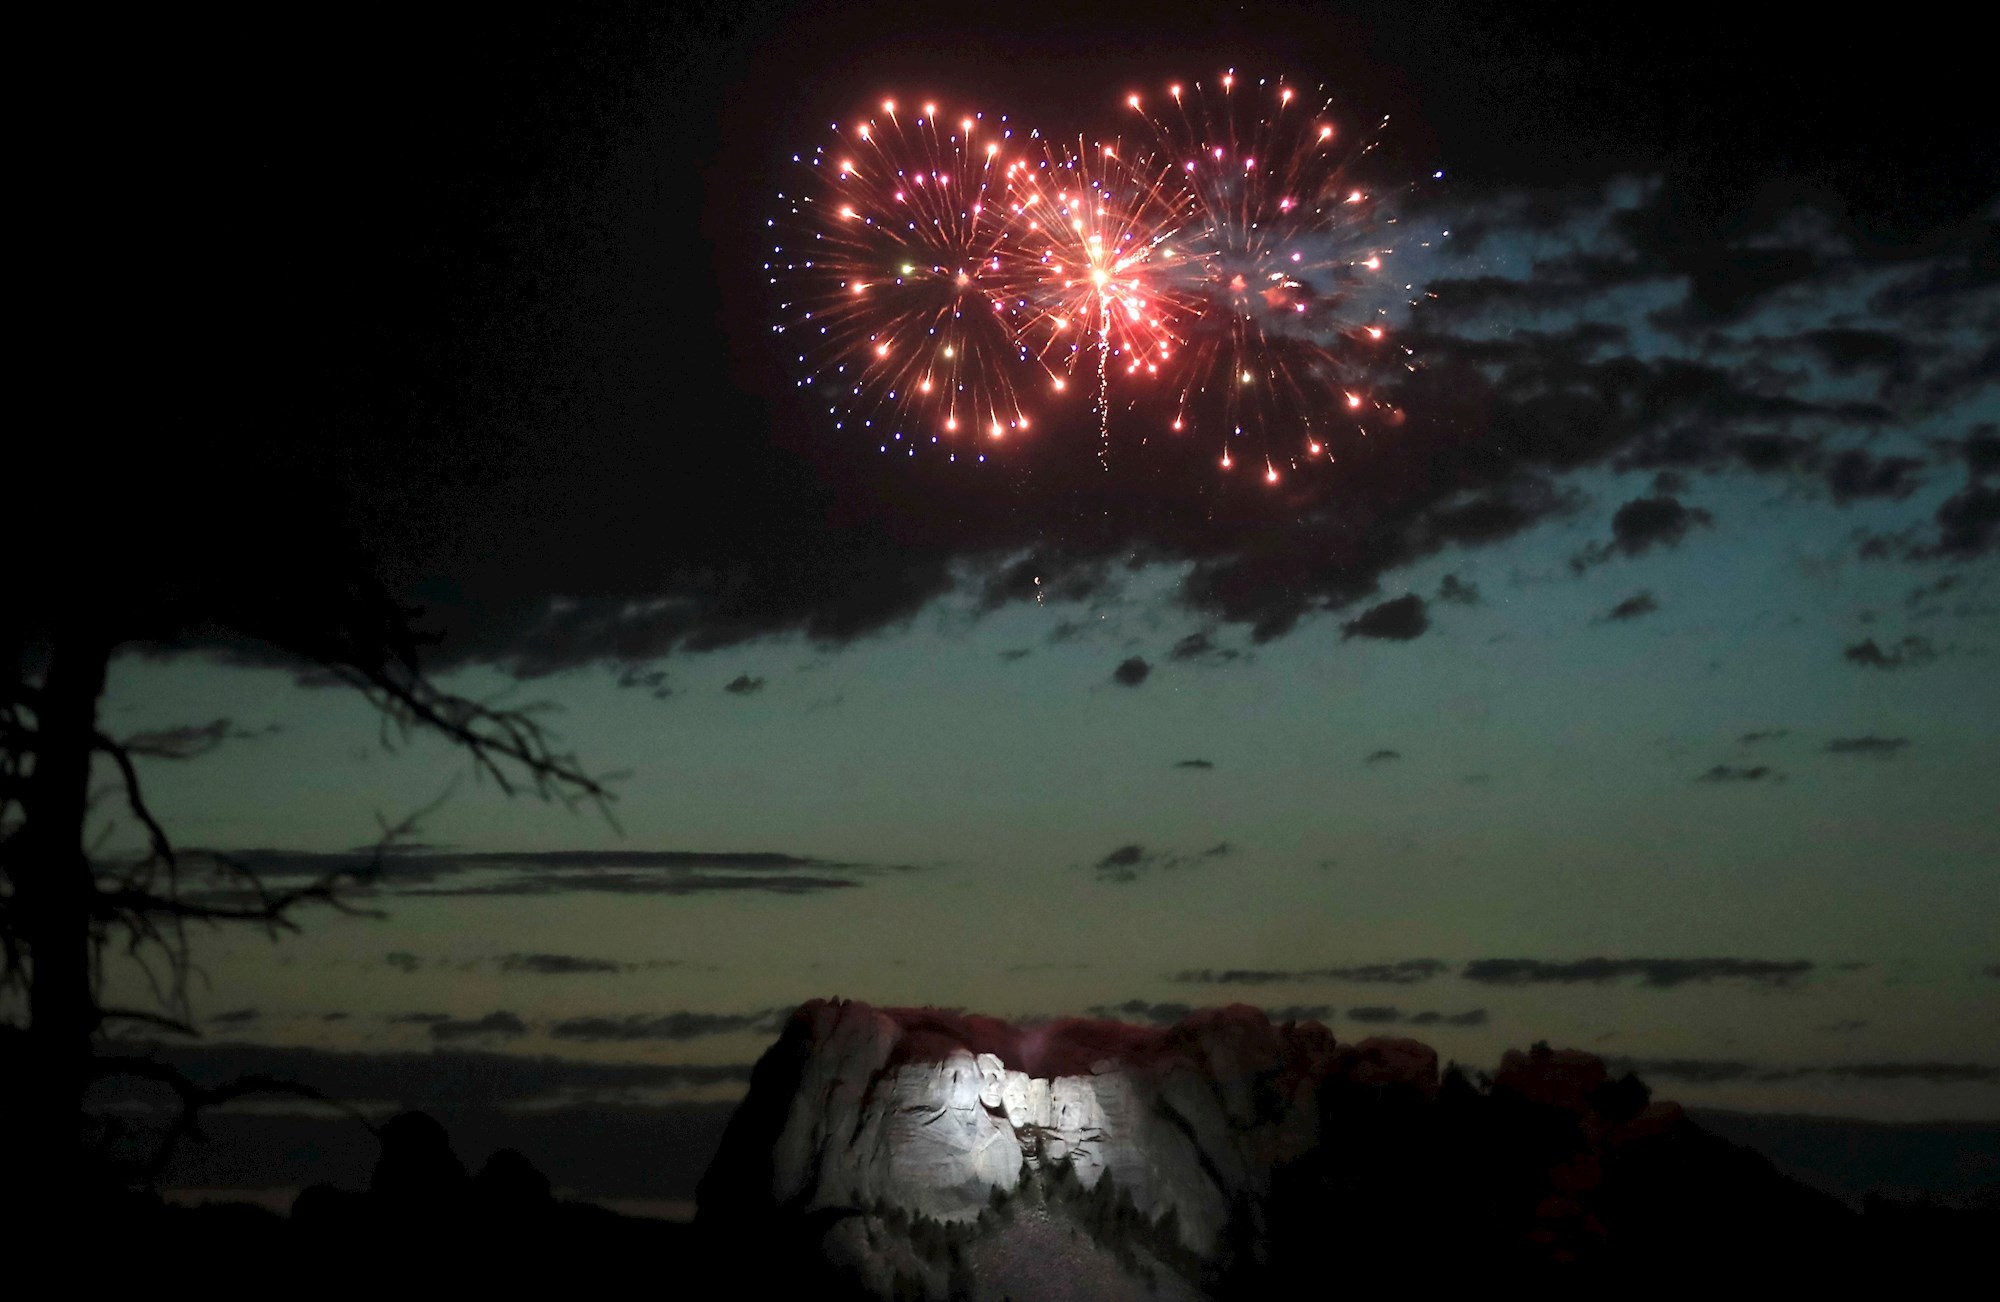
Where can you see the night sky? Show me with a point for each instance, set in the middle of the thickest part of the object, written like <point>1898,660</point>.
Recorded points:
<point>1635,691</point>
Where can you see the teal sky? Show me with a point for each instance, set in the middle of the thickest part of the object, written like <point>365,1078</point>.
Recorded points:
<point>1544,803</point>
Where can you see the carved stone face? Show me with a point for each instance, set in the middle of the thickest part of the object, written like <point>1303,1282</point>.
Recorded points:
<point>992,1081</point>
<point>1074,1104</point>
<point>961,1082</point>
<point>1027,1100</point>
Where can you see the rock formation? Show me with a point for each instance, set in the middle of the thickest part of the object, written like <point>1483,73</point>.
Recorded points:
<point>931,1112</point>
<point>903,1153</point>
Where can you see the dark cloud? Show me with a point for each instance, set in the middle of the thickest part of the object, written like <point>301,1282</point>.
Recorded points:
<point>1131,672</point>
<point>416,1019</point>
<point>1725,284</point>
<point>1457,591</point>
<point>1139,1010</point>
<point>1470,1017</point>
<point>743,685</point>
<point>1194,764</point>
<point>1767,734</point>
<point>1991,969</point>
<point>1639,603</point>
<point>403,961</point>
<point>1846,351</point>
<point>1722,1071</point>
<point>1643,524</point>
<point>1880,747</point>
<point>1400,619</point>
<point>651,681</point>
<point>423,865</point>
<point>504,1025</point>
<point>1489,517</point>
<point>1981,450</point>
<point>1731,773</point>
<point>1855,474</point>
<point>1387,1014</point>
<point>1016,653</point>
<point>1201,647</point>
<point>1910,652</point>
<point>1937,1073</point>
<point>1410,971</point>
<point>1235,976</point>
<point>1769,453</point>
<point>1381,756</point>
<point>1376,1014</point>
<point>1053,576</point>
<point>1126,863</point>
<point>1693,1071</point>
<point>235,1017</point>
<point>432,872</point>
<point>1300,1013</point>
<point>556,964</point>
<point>1926,592</point>
<point>334,1017</point>
<point>1969,521</point>
<point>1968,526</point>
<point>1659,973</point>
<point>192,740</point>
<point>668,1026</point>
<point>614,883</point>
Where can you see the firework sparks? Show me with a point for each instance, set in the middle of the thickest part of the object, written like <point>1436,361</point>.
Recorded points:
<point>948,278</point>
<point>900,275</point>
<point>1282,258</point>
<point>1107,296</point>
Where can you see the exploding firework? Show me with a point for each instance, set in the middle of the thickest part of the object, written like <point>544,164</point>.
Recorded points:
<point>947,280</point>
<point>901,276</point>
<point>1109,296</point>
<point>1282,255</point>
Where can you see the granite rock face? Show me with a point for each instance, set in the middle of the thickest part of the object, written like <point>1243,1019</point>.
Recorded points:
<point>1213,1158</point>
<point>930,1112</point>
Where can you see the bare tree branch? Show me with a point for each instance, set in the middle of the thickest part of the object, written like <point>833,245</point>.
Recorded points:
<point>195,1098</point>
<point>65,906</point>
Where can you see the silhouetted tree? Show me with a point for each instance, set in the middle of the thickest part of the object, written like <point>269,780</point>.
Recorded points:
<point>509,1186</point>
<point>265,585</point>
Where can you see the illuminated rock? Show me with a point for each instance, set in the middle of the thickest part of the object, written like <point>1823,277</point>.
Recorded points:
<point>931,1112</point>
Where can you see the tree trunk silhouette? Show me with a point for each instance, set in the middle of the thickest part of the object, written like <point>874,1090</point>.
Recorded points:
<point>56,894</point>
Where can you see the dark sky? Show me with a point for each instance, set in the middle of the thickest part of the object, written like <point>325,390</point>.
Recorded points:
<point>1658,631</point>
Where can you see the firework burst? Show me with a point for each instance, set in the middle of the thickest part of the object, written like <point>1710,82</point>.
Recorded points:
<point>947,280</point>
<point>1109,297</point>
<point>1283,256</point>
<point>900,275</point>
